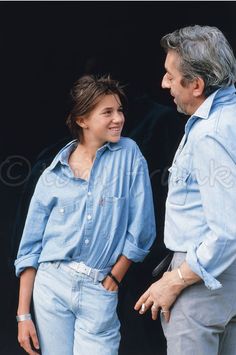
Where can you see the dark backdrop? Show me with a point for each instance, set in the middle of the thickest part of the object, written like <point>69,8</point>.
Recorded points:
<point>45,47</point>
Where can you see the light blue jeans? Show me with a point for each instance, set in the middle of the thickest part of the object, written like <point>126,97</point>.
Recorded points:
<point>74,314</point>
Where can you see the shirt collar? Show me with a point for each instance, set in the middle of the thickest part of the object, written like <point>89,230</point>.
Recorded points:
<point>220,95</point>
<point>65,152</point>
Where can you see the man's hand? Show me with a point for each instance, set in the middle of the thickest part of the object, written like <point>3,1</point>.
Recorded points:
<point>161,295</point>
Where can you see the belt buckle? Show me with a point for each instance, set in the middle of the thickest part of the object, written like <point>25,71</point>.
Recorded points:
<point>84,269</point>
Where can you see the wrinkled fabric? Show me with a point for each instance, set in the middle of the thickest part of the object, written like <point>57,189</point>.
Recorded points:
<point>200,207</point>
<point>94,220</point>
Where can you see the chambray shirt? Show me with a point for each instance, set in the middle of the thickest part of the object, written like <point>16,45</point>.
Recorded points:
<point>200,208</point>
<point>93,221</point>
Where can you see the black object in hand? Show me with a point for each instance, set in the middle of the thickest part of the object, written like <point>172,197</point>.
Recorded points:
<point>163,265</point>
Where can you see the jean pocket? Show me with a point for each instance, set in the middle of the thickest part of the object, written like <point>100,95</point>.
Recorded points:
<point>99,308</point>
<point>105,290</point>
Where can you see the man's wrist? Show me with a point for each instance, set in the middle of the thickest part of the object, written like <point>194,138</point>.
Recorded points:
<point>188,275</point>
<point>173,282</point>
<point>181,277</point>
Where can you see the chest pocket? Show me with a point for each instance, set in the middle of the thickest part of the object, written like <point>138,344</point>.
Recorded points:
<point>179,180</point>
<point>62,213</point>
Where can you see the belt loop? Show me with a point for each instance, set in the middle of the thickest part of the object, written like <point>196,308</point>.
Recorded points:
<point>96,274</point>
<point>57,264</point>
<point>89,271</point>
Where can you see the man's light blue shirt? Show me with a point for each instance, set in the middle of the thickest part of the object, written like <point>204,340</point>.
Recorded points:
<point>94,220</point>
<point>200,208</point>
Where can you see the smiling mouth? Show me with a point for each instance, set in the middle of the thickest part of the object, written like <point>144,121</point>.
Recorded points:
<point>115,129</point>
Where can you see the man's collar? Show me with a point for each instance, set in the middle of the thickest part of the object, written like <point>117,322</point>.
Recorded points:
<point>222,94</point>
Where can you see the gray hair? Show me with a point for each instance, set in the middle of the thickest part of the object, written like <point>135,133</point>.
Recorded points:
<point>204,52</point>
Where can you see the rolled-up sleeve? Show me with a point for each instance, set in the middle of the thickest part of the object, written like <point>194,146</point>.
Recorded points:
<point>31,241</point>
<point>141,229</point>
<point>215,171</point>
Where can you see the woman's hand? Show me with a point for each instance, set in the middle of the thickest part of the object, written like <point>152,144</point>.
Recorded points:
<point>109,284</point>
<point>27,335</point>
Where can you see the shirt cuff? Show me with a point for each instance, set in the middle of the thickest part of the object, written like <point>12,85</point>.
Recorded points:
<point>132,252</point>
<point>192,260</point>
<point>26,261</point>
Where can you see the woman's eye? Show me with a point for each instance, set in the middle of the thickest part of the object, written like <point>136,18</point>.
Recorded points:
<point>107,113</point>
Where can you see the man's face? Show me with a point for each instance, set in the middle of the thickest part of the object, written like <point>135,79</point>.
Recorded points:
<point>173,79</point>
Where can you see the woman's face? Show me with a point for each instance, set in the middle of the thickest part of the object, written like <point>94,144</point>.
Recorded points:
<point>105,122</point>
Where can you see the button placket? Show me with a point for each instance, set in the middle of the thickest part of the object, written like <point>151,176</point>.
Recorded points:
<point>89,218</point>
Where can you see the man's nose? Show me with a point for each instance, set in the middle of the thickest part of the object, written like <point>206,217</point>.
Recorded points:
<point>165,84</point>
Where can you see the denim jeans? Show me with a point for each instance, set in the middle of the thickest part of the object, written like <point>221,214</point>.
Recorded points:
<point>74,314</point>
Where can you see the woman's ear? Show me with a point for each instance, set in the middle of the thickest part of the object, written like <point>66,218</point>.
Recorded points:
<point>199,86</point>
<point>81,121</point>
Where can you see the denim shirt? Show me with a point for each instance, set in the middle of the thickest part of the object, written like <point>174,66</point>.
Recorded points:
<point>200,208</point>
<point>94,220</point>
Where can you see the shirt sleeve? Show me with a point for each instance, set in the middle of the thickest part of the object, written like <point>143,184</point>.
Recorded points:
<point>215,171</point>
<point>141,229</point>
<point>31,241</point>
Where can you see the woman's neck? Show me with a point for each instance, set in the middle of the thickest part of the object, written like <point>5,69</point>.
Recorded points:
<point>87,150</point>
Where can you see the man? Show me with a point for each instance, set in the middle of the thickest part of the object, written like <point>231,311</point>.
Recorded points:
<point>196,297</point>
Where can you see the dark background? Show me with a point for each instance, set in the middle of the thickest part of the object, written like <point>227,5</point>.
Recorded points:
<point>45,47</point>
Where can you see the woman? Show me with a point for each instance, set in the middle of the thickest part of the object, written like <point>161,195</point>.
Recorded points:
<point>90,216</point>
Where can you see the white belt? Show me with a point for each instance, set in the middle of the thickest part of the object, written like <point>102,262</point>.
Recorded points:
<point>95,274</point>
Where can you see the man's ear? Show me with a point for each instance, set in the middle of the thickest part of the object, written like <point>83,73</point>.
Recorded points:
<point>198,87</point>
<point>81,121</point>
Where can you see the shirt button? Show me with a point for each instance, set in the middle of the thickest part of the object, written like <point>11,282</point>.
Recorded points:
<point>86,241</point>
<point>62,210</point>
<point>89,217</point>
<point>89,193</point>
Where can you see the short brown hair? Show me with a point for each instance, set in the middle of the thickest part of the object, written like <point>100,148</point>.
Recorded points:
<point>86,93</point>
